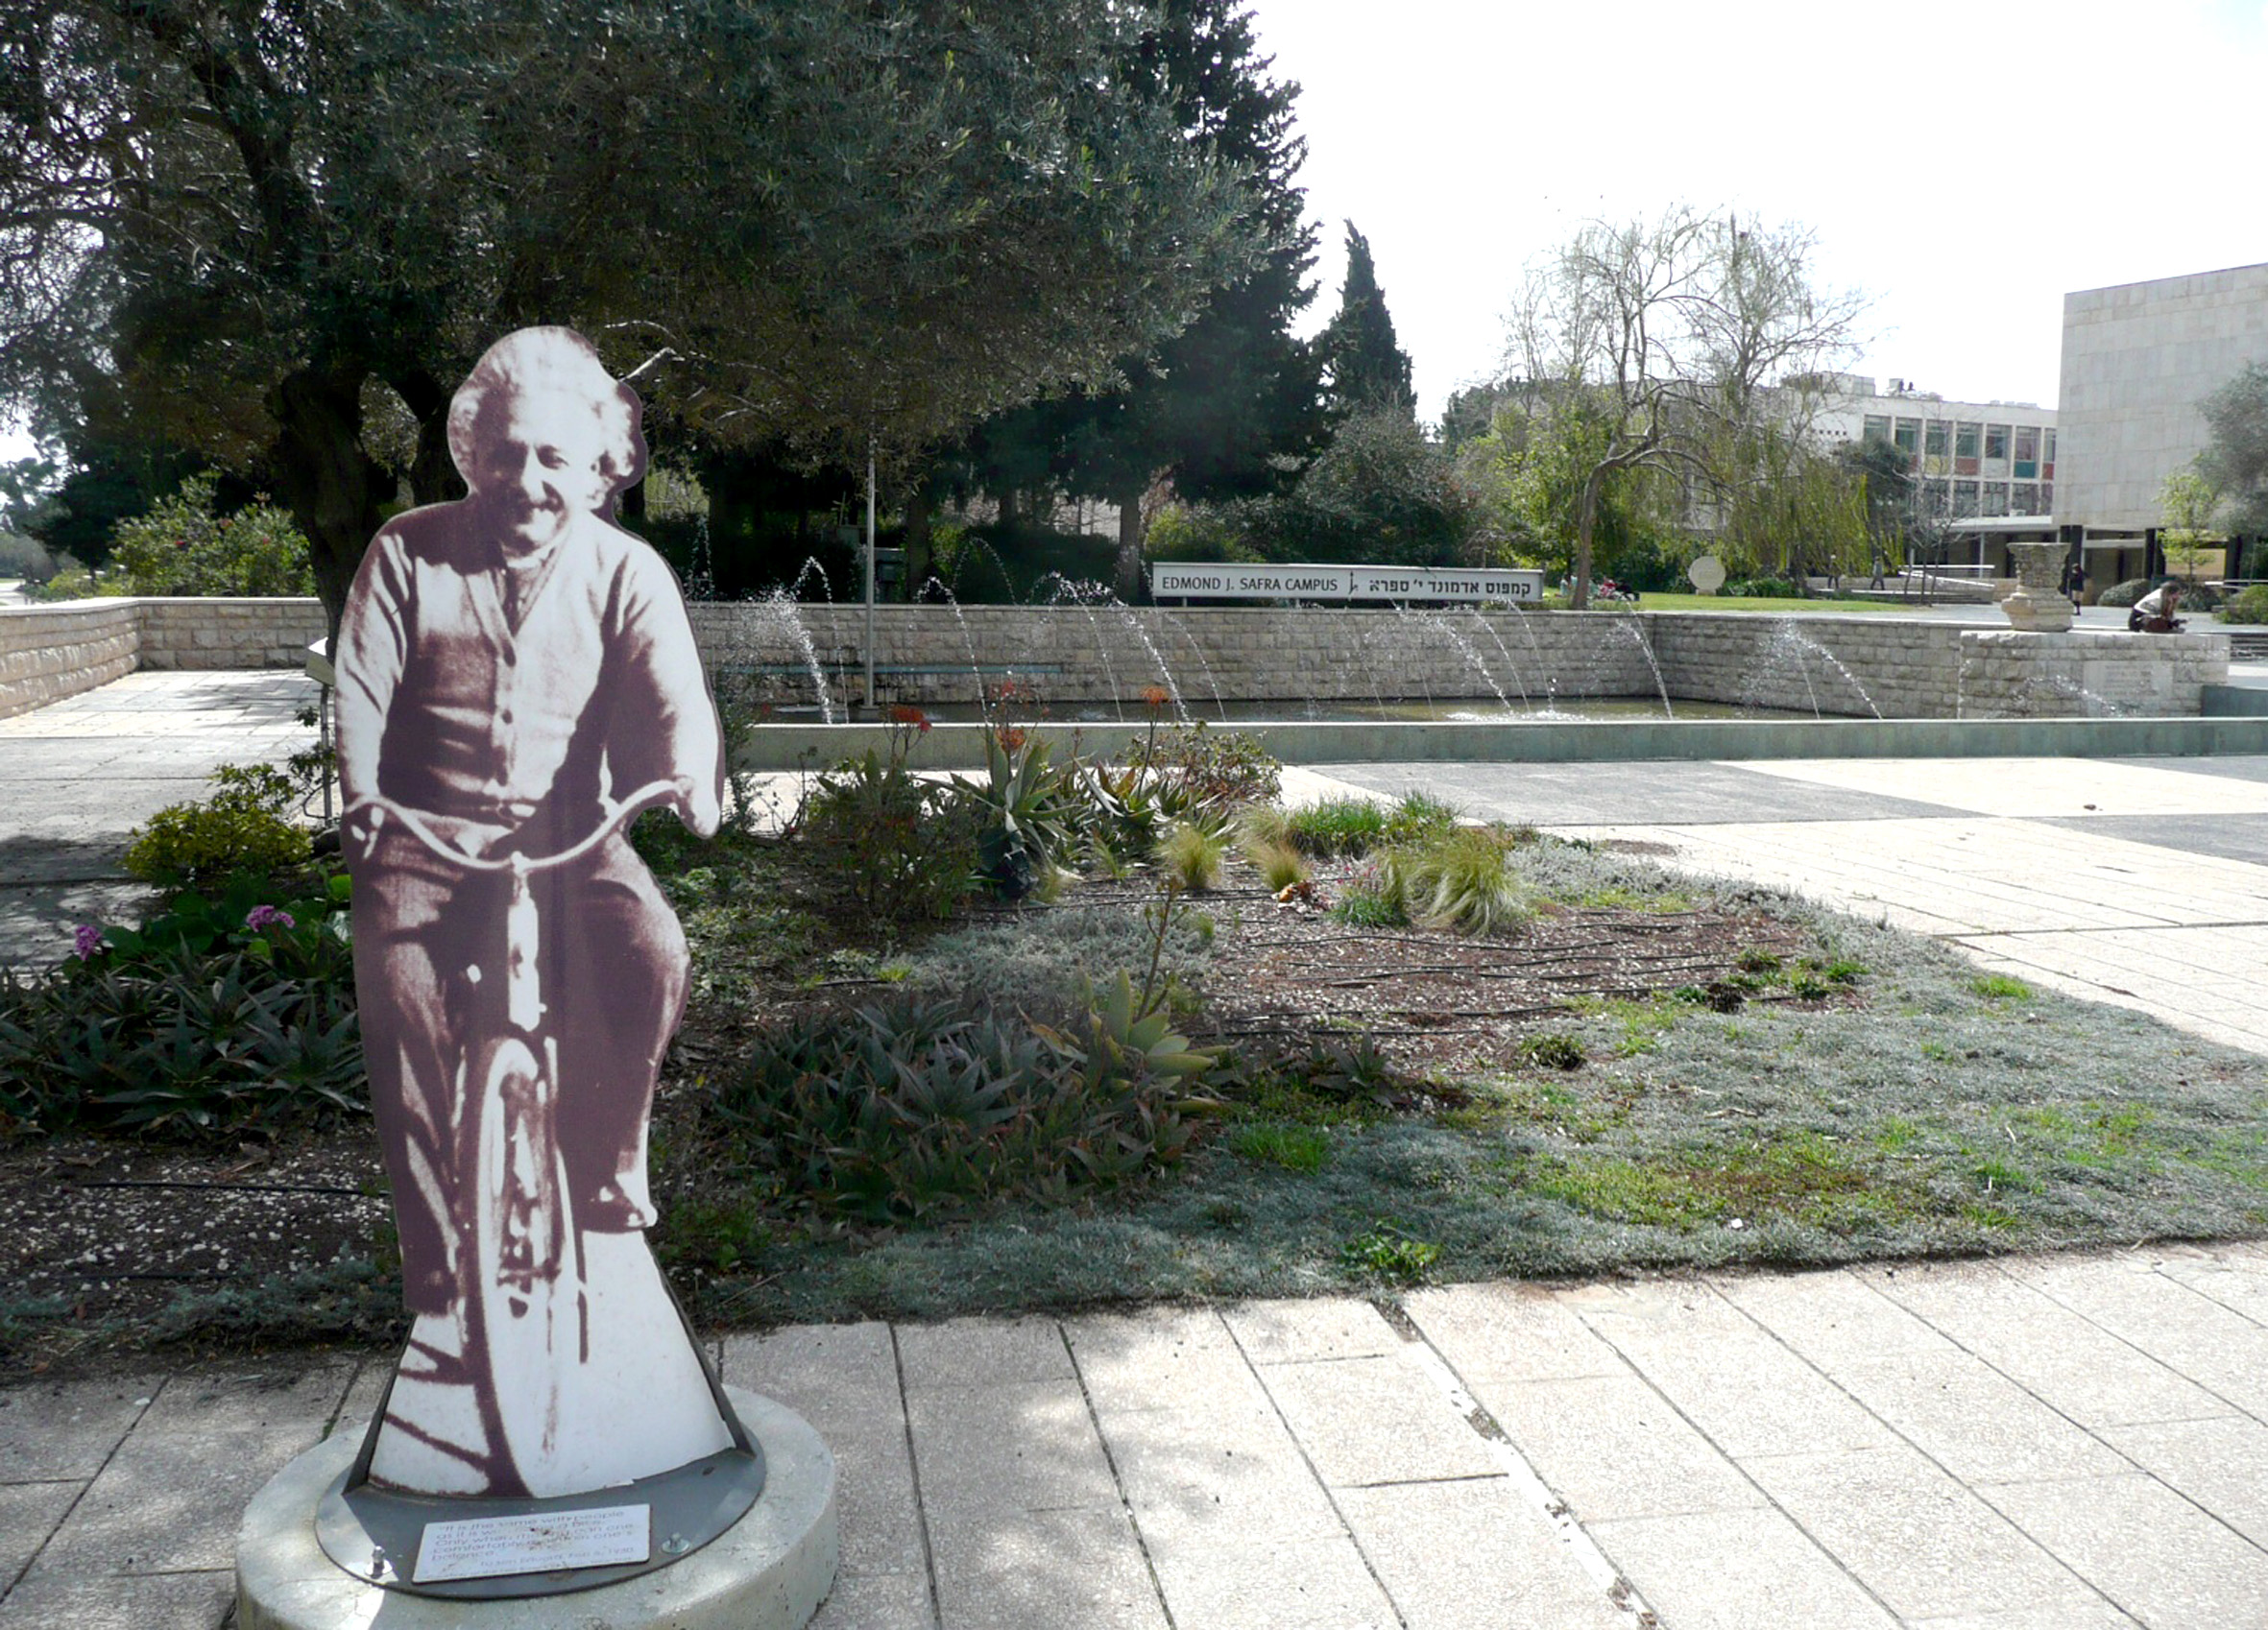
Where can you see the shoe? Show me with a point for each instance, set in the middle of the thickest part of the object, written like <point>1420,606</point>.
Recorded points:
<point>613,1210</point>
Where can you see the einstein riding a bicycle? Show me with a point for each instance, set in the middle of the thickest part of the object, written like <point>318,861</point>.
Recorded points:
<point>516,673</point>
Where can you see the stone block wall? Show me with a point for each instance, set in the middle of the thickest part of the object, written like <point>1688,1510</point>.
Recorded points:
<point>937,654</point>
<point>1851,667</point>
<point>228,634</point>
<point>2007,674</point>
<point>50,652</point>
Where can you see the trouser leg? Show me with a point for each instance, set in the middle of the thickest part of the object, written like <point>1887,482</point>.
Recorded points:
<point>622,965</point>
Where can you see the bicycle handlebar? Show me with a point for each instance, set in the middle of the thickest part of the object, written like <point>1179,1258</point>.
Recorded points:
<point>618,816</point>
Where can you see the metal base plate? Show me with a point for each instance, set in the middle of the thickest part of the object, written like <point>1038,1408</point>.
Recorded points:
<point>374,1532</point>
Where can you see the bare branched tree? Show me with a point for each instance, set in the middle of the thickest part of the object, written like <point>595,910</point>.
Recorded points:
<point>1670,344</point>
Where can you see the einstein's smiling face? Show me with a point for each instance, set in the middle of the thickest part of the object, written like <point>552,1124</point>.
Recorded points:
<point>540,463</point>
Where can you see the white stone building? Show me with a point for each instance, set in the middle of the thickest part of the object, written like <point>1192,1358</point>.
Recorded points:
<point>2137,359</point>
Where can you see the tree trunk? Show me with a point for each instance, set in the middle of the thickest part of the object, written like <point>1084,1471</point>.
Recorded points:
<point>1586,519</point>
<point>921,505</point>
<point>333,487</point>
<point>433,477</point>
<point>1126,571</point>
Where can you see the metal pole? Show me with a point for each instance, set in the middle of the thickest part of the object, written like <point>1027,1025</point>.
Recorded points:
<point>869,574</point>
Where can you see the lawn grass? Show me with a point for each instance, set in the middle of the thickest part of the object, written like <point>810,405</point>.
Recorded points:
<point>1910,1107</point>
<point>1670,602</point>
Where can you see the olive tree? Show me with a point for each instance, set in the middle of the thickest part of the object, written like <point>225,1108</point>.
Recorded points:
<point>1657,346</point>
<point>276,232</point>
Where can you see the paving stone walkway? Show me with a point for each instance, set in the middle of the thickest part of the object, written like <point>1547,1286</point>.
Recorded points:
<point>2032,1444</point>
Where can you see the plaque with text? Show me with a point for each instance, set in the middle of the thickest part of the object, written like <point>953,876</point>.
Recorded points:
<point>488,1548</point>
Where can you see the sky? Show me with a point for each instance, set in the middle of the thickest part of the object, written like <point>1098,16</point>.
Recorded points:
<point>1965,164</point>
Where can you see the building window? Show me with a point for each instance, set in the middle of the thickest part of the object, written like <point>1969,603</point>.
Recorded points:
<point>2025,499</point>
<point>1965,499</point>
<point>1934,441</point>
<point>1937,498</point>
<point>2027,453</point>
<point>1877,427</point>
<point>1909,438</point>
<point>1995,441</point>
<point>1965,438</point>
<point>2047,496</point>
<point>2047,454</point>
<point>1995,498</point>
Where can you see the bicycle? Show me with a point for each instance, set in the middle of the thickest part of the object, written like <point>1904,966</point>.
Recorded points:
<point>516,1253</point>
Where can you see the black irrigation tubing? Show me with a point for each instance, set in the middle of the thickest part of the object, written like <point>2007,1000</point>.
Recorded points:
<point>233,1188</point>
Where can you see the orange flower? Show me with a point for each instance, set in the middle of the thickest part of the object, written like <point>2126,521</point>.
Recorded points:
<point>1155,695</point>
<point>914,716</point>
<point>1011,739</point>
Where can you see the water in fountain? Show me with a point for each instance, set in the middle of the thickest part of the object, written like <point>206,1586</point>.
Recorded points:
<point>779,608</point>
<point>1612,627</point>
<point>1790,647</point>
<point>701,580</point>
<point>1359,646</point>
<point>811,565</point>
<point>1083,595</point>
<point>1212,680</point>
<point>1505,651</point>
<point>1464,648</point>
<point>967,644</point>
<point>1166,677</point>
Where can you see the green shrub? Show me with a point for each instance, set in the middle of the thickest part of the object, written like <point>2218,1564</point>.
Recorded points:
<point>2124,593</point>
<point>904,1110</point>
<point>25,558</point>
<point>1386,1252</point>
<point>1199,532</point>
<point>906,848</point>
<point>1460,880</point>
<point>71,581</point>
<point>1555,1049</point>
<point>1277,1143</point>
<point>1338,825</point>
<point>1193,854</point>
<point>1371,900</point>
<point>1197,765</point>
<point>1280,866</point>
<point>219,1015</point>
<point>2249,607</point>
<point>181,548</point>
<point>1762,588</point>
<point>242,827</point>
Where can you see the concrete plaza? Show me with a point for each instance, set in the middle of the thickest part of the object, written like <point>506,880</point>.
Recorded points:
<point>2015,1445</point>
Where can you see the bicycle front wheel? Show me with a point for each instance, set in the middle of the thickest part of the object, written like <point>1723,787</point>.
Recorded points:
<point>527,1278</point>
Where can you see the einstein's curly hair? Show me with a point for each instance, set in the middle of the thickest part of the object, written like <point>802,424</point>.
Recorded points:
<point>560,363</point>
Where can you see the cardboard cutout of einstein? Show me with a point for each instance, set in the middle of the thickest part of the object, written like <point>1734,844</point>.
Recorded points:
<point>511,666</point>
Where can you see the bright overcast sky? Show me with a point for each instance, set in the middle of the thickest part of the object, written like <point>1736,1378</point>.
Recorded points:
<point>1965,162</point>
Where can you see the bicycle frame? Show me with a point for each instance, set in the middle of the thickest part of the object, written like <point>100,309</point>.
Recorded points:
<point>515,1249</point>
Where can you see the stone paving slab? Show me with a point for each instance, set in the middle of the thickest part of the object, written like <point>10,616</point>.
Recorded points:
<point>2005,1446</point>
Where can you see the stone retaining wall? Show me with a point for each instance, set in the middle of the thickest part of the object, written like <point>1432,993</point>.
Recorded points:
<point>1849,667</point>
<point>230,634</point>
<point>50,652</point>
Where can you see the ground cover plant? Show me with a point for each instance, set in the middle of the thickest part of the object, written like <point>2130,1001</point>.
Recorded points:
<point>1174,1080</point>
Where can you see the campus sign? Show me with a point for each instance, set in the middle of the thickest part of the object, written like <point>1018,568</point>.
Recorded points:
<point>1224,579</point>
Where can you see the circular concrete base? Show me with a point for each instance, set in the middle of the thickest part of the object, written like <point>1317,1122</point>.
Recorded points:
<point>768,1571</point>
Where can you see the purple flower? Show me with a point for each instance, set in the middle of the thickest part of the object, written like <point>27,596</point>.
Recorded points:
<point>85,940</point>
<point>261,916</point>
